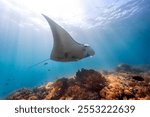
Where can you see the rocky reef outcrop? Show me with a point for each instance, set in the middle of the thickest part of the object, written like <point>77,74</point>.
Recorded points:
<point>121,84</point>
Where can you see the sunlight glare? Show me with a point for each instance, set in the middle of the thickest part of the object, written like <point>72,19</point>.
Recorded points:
<point>63,9</point>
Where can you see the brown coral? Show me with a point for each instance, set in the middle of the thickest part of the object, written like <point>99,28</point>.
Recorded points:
<point>90,79</point>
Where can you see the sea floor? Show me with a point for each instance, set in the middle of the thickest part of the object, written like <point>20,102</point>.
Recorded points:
<point>124,83</point>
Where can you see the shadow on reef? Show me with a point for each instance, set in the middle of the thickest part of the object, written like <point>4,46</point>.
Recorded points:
<point>92,85</point>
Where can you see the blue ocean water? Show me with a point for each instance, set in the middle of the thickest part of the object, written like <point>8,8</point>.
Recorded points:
<point>124,37</point>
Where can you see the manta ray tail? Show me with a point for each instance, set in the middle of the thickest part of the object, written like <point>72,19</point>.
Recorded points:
<point>38,63</point>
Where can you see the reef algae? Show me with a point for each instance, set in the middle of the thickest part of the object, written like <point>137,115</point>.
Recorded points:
<point>92,85</point>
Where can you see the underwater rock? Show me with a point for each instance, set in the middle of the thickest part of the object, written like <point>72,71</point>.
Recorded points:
<point>123,68</point>
<point>132,69</point>
<point>92,85</point>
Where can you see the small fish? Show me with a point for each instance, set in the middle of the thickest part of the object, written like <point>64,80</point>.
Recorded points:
<point>6,84</point>
<point>45,63</point>
<point>49,70</point>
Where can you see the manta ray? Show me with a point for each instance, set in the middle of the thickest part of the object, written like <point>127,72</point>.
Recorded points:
<point>65,48</point>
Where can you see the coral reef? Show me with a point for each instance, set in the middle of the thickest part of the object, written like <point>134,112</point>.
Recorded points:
<point>126,83</point>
